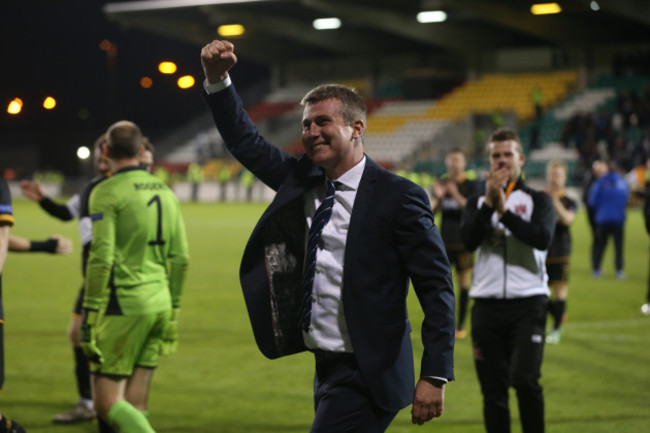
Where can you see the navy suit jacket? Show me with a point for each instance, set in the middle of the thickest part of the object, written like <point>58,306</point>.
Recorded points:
<point>391,238</point>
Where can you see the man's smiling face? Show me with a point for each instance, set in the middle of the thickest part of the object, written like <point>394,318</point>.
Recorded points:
<point>329,141</point>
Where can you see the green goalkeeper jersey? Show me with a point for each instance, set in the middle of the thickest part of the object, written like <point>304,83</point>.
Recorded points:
<point>138,256</point>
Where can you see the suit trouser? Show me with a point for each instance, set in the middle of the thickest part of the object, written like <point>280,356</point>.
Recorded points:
<point>342,400</point>
<point>603,232</point>
<point>508,340</point>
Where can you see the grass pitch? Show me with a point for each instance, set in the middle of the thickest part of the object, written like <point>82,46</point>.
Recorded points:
<point>596,380</point>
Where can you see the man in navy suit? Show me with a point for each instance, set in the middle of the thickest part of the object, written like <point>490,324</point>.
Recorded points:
<point>380,234</point>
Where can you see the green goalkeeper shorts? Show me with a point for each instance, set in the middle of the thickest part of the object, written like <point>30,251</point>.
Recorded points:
<point>127,342</point>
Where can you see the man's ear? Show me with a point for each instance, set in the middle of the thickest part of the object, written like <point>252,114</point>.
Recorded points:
<point>105,152</point>
<point>141,150</point>
<point>358,127</point>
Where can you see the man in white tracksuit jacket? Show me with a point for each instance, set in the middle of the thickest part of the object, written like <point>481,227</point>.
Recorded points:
<point>511,227</point>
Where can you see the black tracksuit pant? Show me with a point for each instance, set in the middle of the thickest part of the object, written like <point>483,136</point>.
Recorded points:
<point>508,340</point>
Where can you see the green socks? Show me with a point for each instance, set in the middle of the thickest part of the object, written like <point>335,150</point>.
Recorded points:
<point>127,419</point>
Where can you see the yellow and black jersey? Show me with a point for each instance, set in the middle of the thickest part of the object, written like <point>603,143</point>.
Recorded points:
<point>452,211</point>
<point>561,243</point>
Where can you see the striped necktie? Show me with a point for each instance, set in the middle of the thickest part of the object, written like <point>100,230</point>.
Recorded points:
<point>320,219</point>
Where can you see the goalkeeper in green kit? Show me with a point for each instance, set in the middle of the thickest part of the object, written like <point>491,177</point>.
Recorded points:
<point>134,282</point>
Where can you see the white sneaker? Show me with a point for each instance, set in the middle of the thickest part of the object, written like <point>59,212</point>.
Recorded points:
<point>645,309</point>
<point>77,414</point>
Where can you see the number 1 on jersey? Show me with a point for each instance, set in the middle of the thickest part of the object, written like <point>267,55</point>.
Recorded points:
<point>159,240</point>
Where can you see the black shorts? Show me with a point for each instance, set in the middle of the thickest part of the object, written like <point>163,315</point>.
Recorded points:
<point>557,269</point>
<point>460,257</point>
<point>78,305</point>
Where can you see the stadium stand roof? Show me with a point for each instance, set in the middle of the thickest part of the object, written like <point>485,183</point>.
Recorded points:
<point>281,30</point>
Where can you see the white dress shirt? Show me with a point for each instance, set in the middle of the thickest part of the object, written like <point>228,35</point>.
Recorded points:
<point>328,330</point>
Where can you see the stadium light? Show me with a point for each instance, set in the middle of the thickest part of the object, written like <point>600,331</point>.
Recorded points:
<point>231,30</point>
<point>594,6</point>
<point>326,23</point>
<point>146,82</point>
<point>15,106</point>
<point>185,82</point>
<point>545,9</point>
<point>105,45</point>
<point>49,103</point>
<point>167,67</point>
<point>431,17</point>
<point>83,153</point>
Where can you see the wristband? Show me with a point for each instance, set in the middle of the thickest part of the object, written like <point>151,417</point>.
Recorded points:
<point>48,246</point>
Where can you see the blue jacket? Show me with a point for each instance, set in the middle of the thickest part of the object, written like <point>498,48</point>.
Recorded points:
<point>608,198</point>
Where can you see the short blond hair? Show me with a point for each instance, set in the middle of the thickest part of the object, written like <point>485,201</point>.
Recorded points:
<point>556,163</point>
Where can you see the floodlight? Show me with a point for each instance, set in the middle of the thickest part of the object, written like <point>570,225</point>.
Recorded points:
<point>545,9</point>
<point>185,82</point>
<point>83,153</point>
<point>167,67</point>
<point>431,17</point>
<point>231,30</point>
<point>49,103</point>
<point>326,23</point>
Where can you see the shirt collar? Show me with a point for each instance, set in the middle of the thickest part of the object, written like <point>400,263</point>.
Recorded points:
<point>351,178</point>
<point>129,168</point>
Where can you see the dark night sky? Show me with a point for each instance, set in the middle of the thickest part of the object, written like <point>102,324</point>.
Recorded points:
<point>51,47</point>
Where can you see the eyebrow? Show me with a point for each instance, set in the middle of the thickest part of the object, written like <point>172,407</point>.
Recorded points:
<point>320,117</point>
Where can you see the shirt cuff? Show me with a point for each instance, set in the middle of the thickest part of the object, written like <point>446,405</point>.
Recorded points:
<point>437,378</point>
<point>211,88</point>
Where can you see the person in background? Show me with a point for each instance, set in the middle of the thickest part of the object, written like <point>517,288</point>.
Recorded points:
<point>195,177</point>
<point>598,170</point>
<point>559,253</point>
<point>55,244</point>
<point>450,196</point>
<point>75,208</point>
<point>135,278</point>
<point>645,308</point>
<point>510,226</point>
<point>224,178</point>
<point>608,197</point>
<point>248,180</point>
<point>146,158</point>
<point>7,425</point>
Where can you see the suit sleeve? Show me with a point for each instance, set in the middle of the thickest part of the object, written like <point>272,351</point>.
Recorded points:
<point>422,250</point>
<point>538,232</point>
<point>270,164</point>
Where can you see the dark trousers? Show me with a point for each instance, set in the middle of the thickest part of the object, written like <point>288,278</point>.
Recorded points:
<point>342,400</point>
<point>508,339</point>
<point>603,232</point>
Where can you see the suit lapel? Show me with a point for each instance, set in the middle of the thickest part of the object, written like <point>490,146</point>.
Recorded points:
<point>362,201</point>
<point>305,177</point>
